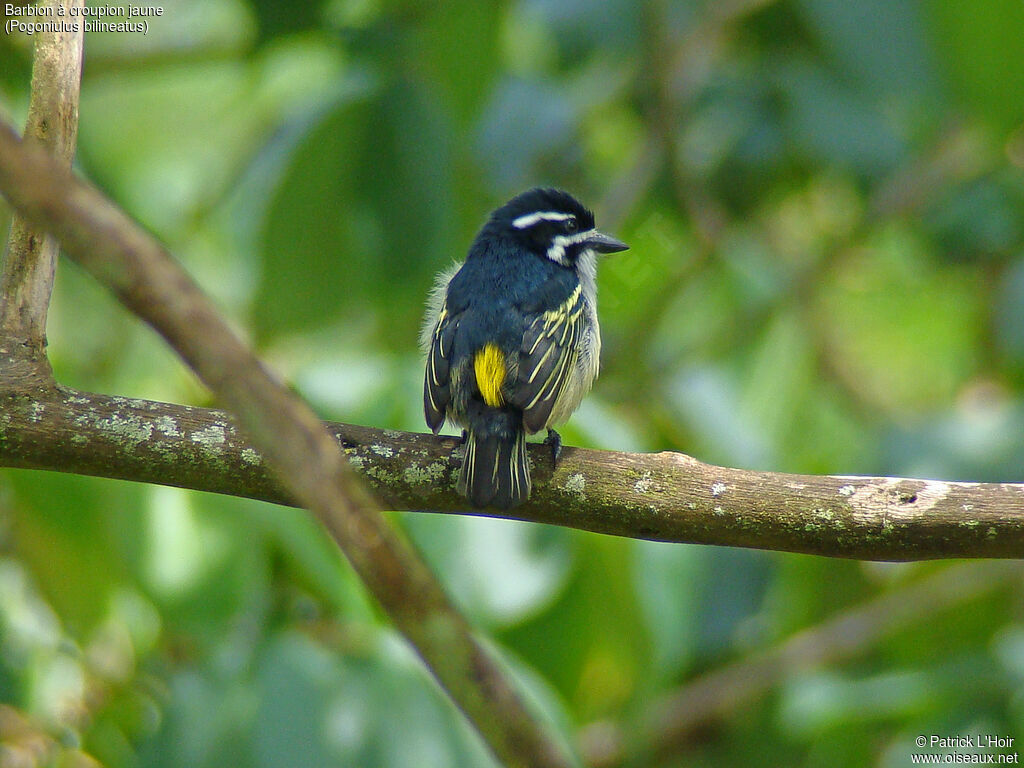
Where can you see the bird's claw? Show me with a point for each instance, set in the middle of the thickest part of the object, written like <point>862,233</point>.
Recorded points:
<point>555,441</point>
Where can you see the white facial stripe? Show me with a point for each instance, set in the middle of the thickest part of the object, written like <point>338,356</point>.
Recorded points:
<point>559,242</point>
<point>529,219</point>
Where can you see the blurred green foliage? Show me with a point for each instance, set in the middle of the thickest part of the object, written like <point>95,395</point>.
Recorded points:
<point>825,203</point>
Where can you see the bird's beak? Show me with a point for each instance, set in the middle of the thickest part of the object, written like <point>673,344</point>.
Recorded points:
<point>603,243</point>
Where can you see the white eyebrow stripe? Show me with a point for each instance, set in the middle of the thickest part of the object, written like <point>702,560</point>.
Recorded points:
<point>529,219</point>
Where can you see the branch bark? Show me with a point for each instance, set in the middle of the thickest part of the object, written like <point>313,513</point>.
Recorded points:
<point>30,261</point>
<point>662,496</point>
<point>294,443</point>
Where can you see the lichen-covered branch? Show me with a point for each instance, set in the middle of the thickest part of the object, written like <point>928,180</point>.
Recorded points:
<point>662,496</point>
<point>31,256</point>
<point>293,442</point>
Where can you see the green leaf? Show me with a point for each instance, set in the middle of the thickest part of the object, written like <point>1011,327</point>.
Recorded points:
<point>979,46</point>
<point>881,42</point>
<point>66,532</point>
<point>359,216</point>
<point>901,330</point>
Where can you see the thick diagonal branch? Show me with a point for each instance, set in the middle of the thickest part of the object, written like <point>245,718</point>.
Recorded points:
<point>286,432</point>
<point>31,256</point>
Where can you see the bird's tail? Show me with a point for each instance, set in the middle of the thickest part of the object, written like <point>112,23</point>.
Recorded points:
<point>495,471</point>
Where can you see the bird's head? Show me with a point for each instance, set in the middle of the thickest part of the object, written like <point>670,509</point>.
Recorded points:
<point>553,224</point>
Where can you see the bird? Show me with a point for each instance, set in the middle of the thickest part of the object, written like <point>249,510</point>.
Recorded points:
<point>512,340</point>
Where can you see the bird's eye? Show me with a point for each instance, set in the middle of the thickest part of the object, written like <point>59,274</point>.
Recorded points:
<point>571,225</point>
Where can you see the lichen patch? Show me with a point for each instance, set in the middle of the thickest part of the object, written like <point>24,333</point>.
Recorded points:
<point>212,438</point>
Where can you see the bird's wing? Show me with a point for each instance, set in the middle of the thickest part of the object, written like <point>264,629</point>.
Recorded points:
<point>437,379</point>
<point>547,359</point>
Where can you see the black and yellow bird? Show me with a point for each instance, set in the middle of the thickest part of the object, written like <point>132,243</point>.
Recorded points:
<point>512,338</point>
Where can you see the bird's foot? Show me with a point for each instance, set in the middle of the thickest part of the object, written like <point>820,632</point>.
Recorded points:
<point>555,441</point>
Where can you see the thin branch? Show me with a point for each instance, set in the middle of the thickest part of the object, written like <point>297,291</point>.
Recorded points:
<point>660,496</point>
<point>31,257</point>
<point>287,433</point>
<point>719,694</point>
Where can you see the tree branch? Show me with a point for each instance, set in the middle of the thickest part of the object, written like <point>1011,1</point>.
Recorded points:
<point>294,443</point>
<point>29,263</point>
<point>661,496</point>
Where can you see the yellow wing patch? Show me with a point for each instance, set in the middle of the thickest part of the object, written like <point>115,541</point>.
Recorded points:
<point>489,365</point>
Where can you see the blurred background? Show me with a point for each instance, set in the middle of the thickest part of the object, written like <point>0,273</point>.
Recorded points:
<point>825,203</point>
